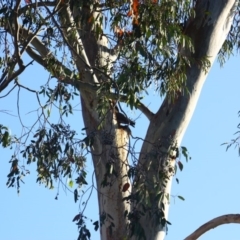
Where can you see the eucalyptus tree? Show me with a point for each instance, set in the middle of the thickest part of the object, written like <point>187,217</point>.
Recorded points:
<point>111,53</point>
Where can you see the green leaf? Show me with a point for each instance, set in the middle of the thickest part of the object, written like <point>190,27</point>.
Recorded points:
<point>185,152</point>
<point>70,184</point>
<point>48,112</point>
<point>77,217</point>
<point>75,195</point>
<point>180,165</point>
<point>96,225</point>
<point>66,148</point>
<point>5,139</point>
<point>182,198</point>
<point>168,222</point>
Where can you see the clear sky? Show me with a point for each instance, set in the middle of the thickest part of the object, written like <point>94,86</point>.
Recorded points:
<point>210,182</point>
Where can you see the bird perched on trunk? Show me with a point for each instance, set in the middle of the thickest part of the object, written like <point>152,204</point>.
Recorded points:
<point>122,119</point>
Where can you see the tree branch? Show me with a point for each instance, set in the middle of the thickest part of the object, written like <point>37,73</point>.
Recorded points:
<point>225,219</point>
<point>35,5</point>
<point>123,98</point>
<point>13,76</point>
<point>78,50</point>
<point>45,55</point>
<point>16,35</point>
<point>87,86</point>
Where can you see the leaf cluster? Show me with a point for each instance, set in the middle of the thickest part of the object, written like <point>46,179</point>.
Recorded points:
<point>5,138</point>
<point>57,155</point>
<point>149,50</point>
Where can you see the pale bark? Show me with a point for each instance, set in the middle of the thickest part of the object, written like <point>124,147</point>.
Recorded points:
<point>225,219</point>
<point>208,33</point>
<point>110,195</point>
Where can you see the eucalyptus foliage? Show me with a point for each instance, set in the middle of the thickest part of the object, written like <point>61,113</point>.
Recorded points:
<point>107,52</point>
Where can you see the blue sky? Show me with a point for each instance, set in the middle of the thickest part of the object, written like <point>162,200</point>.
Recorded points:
<point>210,182</point>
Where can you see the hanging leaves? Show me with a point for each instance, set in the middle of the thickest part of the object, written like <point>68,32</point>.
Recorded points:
<point>180,165</point>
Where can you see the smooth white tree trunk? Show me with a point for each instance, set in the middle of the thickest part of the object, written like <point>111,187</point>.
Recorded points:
<point>208,31</point>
